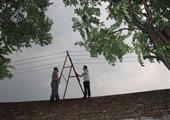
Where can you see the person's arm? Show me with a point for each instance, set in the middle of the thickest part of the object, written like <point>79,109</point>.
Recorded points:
<point>57,78</point>
<point>78,75</point>
<point>84,73</point>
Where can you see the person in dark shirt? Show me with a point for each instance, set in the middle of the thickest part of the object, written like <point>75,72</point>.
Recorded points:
<point>54,86</point>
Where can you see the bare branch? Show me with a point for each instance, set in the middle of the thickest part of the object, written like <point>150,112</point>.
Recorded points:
<point>123,29</point>
<point>149,57</point>
<point>148,49</point>
<point>164,39</point>
<point>135,21</point>
<point>149,15</point>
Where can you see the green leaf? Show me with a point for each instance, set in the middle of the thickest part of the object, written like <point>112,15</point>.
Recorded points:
<point>127,21</point>
<point>24,23</point>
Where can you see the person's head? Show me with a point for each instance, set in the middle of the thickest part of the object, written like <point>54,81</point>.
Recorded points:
<point>84,67</point>
<point>56,69</point>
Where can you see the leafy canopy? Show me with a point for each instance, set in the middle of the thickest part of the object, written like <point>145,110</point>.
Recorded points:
<point>22,22</point>
<point>147,21</point>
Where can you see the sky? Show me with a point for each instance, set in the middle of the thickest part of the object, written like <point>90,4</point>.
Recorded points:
<point>34,66</point>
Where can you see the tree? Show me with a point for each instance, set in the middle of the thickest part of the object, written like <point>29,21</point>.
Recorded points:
<point>22,22</point>
<point>147,21</point>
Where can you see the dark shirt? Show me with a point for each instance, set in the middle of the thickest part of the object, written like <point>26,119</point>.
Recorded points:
<point>54,75</point>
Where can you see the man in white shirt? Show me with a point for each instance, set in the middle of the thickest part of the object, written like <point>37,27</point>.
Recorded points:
<point>86,81</point>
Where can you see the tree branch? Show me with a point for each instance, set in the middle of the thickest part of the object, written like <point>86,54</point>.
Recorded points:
<point>147,48</point>
<point>149,57</point>
<point>123,29</point>
<point>164,39</point>
<point>135,21</point>
<point>149,15</point>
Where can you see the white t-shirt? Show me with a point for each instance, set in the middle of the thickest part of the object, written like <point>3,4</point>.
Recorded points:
<point>86,77</point>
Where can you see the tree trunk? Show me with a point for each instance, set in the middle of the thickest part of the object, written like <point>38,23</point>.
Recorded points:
<point>149,29</point>
<point>162,57</point>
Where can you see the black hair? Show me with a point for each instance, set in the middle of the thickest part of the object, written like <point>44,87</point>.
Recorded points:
<point>85,66</point>
<point>55,68</point>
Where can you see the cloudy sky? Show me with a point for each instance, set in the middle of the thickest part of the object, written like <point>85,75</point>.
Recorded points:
<point>34,67</point>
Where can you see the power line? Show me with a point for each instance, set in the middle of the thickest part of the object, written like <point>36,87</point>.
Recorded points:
<point>58,62</point>
<point>36,57</point>
<point>80,55</point>
<point>52,64</point>
<point>36,66</point>
<point>53,58</point>
<point>42,59</point>
<point>102,62</point>
<point>89,59</point>
<point>37,61</point>
<point>55,1</point>
<point>34,70</point>
<point>74,63</point>
<point>78,51</point>
<point>62,57</point>
<point>44,56</point>
<point>75,59</point>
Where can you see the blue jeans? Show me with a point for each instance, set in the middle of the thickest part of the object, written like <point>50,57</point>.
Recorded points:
<point>54,93</point>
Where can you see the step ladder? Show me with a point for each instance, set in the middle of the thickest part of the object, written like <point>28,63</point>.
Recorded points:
<point>70,67</point>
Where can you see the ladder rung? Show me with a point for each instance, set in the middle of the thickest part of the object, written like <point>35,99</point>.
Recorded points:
<point>67,66</point>
<point>73,76</point>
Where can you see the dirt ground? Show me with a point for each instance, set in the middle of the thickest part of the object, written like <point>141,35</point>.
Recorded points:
<point>115,107</point>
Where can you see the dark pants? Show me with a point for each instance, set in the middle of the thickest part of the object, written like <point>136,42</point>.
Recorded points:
<point>54,94</point>
<point>87,88</point>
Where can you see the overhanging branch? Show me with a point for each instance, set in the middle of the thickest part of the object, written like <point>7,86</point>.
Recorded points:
<point>149,57</point>
<point>148,49</point>
<point>164,39</point>
<point>135,21</point>
<point>123,29</point>
<point>149,15</point>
